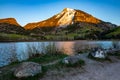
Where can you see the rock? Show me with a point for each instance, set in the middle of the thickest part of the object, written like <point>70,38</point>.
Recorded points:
<point>71,59</point>
<point>98,53</point>
<point>27,69</point>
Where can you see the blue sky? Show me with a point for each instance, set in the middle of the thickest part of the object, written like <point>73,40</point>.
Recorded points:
<point>26,11</point>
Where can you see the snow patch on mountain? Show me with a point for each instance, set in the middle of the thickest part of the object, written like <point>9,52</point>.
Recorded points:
<point>67,16</point>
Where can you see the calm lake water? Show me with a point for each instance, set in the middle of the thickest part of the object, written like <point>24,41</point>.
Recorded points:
<point>19,50</point>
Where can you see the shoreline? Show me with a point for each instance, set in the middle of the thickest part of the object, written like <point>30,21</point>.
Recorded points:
<point>51,40</point>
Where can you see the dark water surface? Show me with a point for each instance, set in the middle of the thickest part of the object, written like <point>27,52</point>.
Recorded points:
<point>19,50</point>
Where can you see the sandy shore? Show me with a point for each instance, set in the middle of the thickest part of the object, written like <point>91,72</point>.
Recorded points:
<point>93,70</point>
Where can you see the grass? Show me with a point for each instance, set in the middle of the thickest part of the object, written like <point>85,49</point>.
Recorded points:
<point>8,70</point>
<point>114,33</point>
<point>12,35</point>
<point>15,36</point>
<point>60,65</point>
<point>49,37</point>
<point>8,37</point>
<point>47,58</point>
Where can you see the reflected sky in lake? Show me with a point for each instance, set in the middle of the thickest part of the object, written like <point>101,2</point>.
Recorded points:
<point>19,50</point>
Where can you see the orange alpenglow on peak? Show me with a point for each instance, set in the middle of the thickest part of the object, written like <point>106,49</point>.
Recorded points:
<point>9,21</point>
<point>81,16</point>
<point>66,17</point>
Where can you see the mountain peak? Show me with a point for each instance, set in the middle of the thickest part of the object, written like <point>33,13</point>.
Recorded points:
<point>68,9</point>
<point>9,21</point>
<point>66,17</point>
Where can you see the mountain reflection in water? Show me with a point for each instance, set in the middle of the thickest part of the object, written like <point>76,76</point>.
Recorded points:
<point>66,47</point>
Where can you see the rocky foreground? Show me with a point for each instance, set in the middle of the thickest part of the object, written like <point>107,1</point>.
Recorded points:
<point>92,70</point>
<point>53,70</point>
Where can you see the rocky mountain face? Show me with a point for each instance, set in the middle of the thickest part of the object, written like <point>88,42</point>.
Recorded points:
<point>10,25</point>
<point>68,17</point>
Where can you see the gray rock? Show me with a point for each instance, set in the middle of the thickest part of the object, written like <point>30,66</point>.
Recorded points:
<point>98,53</point>
<point>71,59</point>
<point>28,69</point>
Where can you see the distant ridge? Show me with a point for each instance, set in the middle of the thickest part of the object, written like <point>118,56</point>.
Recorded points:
<point>9,21</point>
<point>10,25</point>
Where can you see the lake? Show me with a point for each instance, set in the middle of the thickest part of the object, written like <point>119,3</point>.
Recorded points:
<point>12,51</point>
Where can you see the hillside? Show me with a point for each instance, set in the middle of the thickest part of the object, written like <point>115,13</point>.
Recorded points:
<point>114,33</point>
<point>10,25</point>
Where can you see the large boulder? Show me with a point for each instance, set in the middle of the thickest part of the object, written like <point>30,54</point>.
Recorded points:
<point>27,69</point>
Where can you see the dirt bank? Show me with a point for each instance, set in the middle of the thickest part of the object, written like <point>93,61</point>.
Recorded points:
<point>93,70</point>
